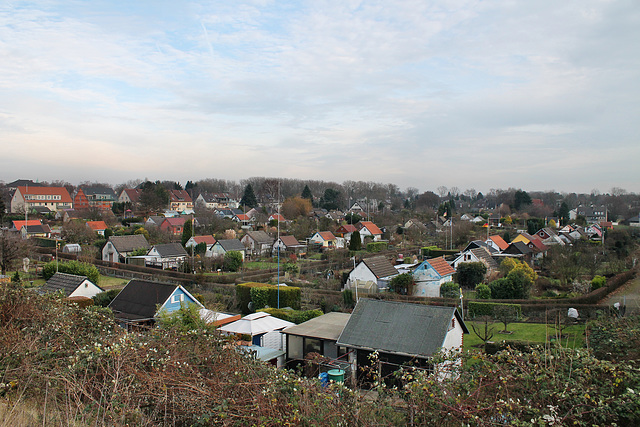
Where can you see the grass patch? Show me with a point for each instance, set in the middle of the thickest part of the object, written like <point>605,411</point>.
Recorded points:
<point>107,282</point>
<point>534,333</point>
<point>262,265</point>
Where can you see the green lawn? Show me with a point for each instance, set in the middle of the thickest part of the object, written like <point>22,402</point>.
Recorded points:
<point>262,265</point>
<point>535,333</point>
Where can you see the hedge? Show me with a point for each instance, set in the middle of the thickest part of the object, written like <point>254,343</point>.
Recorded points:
<point>377,246</point>
<point>268,296</point>
<point>243,294</point>
<point>72,267</point>
<point>477,309</point>
<point>263,294</point>
<point>295,316</point>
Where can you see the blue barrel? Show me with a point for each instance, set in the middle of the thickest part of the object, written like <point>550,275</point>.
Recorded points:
<point>336,375</point>
<point>324,379</point>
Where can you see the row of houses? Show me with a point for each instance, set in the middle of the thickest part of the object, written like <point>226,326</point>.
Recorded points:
<point>401,334</point>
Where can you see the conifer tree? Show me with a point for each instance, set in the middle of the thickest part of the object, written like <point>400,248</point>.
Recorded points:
<point>249,198</point>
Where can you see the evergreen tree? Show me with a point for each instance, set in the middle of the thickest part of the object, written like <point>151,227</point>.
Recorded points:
<point>521,199</point>
<point>563,213</point>
<point>249,198</point>
<point>187,231</point>
<point>355,244</point>
<point>330,200</point>
<point>306,193</point>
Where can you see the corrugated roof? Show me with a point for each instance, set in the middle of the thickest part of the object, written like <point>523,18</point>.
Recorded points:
<point>380,266</point>
<point>327,327</point>
<point>396,327</point>
<point>484,256</point>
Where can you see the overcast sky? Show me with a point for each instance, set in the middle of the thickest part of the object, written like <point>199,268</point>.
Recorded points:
<point>538,95</point>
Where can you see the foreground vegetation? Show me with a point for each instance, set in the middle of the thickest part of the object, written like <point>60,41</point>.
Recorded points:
<point>80,368</point>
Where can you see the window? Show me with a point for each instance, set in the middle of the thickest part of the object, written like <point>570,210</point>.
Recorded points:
<point>312,345</point>
<point>175,298</point>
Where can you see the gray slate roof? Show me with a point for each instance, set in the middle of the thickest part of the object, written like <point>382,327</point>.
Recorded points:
<point>397,327</point>
<point>67,283</point>
<point>231,245</point>
<point>167,250</point>
<point>140,299</point>
<point>380,266</point>
<point>129,243</point>
<point>260,237</point>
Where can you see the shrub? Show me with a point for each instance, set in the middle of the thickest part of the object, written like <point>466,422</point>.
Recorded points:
<point>72,267</point>
<point>483,291</point>
<point>517,285</point>
<point>347,297</point>
<point>295,316</point>
<point>450,290</point>
<point>470,274</point>
<point>103,299</point>
<point>598,282</point>
<point>401,284</point>
<point>232,261</point>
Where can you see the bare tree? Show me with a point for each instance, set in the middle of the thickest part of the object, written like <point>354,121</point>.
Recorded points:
<point>442,190</point>
<point>486,332</point>
<point>12,248</point>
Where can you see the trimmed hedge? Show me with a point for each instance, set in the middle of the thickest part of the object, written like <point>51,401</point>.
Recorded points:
<point>72,267</point>
<point>262,295</point>
<point>243,294</point>
<point>477,309</point>
<point>377,246</point>
<point>268,296</point>
<point>295,316</point>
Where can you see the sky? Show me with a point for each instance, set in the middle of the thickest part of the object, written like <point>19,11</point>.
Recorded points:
<point>539,95</point>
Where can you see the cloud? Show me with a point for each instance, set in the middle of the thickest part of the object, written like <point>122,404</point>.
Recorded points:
<point>461,92</point>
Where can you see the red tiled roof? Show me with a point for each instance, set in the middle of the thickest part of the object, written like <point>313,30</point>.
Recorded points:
<point>176,221</point>
<point>97,225</point>
<point>499,241</point>
<point>538,245</point>
<point>180,196</point>
<point>278,217</point>
<point>289,240</point>
<point>209,240</point>
<point>373,229</point>
<point>19,224</point>
<point>347,228</point>
<point>243,217</point>
<point>441,266</point>
<point>327,235</point>
<point>47,191</point>
<point>133,194</point>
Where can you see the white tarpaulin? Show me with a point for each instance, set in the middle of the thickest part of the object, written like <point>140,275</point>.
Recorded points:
<point>255,324</point>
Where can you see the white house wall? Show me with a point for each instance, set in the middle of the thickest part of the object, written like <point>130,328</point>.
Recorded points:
<point>86,289</point>
<point>361,273</point>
